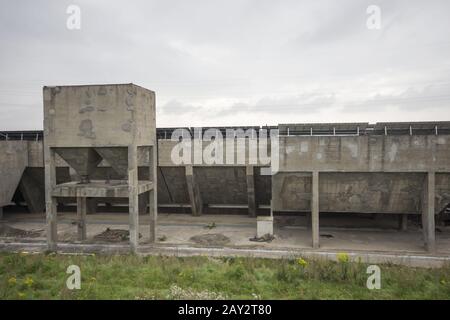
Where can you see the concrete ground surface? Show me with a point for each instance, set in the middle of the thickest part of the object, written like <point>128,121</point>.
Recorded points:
<point>365,237</point>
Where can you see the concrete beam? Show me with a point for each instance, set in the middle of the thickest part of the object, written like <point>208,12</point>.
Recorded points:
<point>315,209</point>
<point>194,192</point>
<point>153,200</point>
<point>133,198</point>
<point>81,218</point>
<point>428,212</point>
<point>251,191</point>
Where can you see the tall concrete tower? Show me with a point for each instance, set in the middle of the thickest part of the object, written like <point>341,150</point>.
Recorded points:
<point>88,124</point>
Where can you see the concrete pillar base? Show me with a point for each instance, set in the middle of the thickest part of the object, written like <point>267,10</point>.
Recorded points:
<point>264,226</point>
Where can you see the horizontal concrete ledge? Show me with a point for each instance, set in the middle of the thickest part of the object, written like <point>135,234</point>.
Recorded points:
<point>411,260</point>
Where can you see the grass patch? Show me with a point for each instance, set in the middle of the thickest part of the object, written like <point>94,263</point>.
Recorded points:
<point>40,276</point>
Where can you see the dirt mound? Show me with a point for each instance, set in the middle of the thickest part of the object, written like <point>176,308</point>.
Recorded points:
<point>211,239</point>
<point>114,235</point>
<point>7,231</point>
<point>265,238</point>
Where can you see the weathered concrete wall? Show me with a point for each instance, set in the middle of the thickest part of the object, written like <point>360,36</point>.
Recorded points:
<point>403,153</point>
<point>222,185</point>
<point>370,173</point>
<point>13,161</point>
<point>442,190</point>
<point>172,186</point>
<point>99,115</point>
<point>357,192</point>
<point>238,149</point>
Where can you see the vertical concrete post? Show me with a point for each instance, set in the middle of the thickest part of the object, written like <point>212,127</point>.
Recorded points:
<point>50,201</point>
<point>81,218</point>
<point>315,209</point>
<point>194,192</point>
<point>403,222</point>
<point>428,208</point>
<point>251,191</point>
<point>133,199</point>
<point>153,201</point>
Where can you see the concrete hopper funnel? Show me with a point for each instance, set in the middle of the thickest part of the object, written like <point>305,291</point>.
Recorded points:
<point>83,160</point>
<point>117,157</point>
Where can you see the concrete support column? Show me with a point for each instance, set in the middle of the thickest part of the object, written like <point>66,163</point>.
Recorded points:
<point>133,199</point>
<point>251,191</point>
<point>194,192</point>
<point>1,213</point>
<point>403,222</point>
<point>428,212</point>
<point>315,209</point>
<point>81,218</point>
<point>50,201</point>
<point>153,201</point>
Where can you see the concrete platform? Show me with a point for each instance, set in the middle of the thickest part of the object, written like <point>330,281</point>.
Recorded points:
<point>292,237</point>
<point>99,189</point>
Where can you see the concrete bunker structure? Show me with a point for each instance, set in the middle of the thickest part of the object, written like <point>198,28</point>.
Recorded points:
<point>393,169</point>
<point>86,125</point>
<point>381,170</point>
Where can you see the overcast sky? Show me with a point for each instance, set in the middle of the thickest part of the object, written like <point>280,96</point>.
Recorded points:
<point>217,63</point>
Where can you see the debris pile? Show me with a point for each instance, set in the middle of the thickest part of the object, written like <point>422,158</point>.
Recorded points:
<point>114,235</point>
<point>211,239</point>
<point>7,231</point>
<point>265,238</point>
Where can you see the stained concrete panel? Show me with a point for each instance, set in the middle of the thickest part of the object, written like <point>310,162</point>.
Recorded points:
<point>371,192</point>
<point>263,188</point>
<point>117,158</point>
<point>350,192</point>
<point>13,160</point>
<point>222,185</point>
<point>31,187</point>
<point>172,187</point>
<point>417,153</point>
<point>83,160</point>
<point>99,115</point>
<point>238,153</point>
<point>442,191</point>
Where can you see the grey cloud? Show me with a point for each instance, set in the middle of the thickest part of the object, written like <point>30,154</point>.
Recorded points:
<point>194,53</point>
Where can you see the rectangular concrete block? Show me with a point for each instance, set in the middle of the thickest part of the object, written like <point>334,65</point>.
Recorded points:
<point>99,116</point>
<point>264,226</point>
